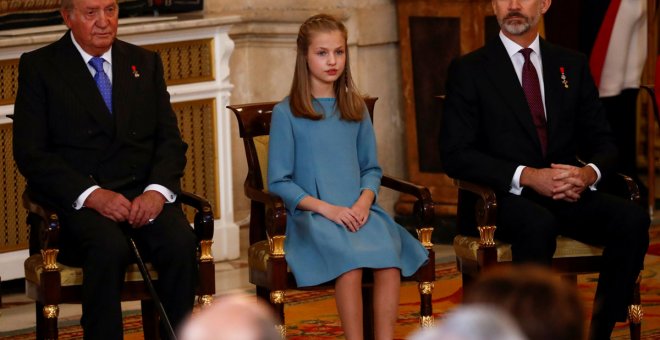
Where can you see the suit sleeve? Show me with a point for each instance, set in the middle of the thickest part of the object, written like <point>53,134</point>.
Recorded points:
<point>169,158</point>
<point>45,171</point>
<point>461,154</point>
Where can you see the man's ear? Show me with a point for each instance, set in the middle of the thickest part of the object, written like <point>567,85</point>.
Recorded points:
<point>545,5</point>
<point>65,16</point>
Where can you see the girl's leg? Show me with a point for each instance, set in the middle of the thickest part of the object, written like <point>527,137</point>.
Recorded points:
<point>386,301</point>
<point>348,295</point>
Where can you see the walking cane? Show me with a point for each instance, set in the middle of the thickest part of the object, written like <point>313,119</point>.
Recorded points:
<point>150,285</point>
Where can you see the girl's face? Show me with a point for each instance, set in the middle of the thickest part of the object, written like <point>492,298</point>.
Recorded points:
<point>326,58</point>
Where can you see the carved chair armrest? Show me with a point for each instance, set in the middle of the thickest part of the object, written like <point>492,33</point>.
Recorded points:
<point>203,221</point>
<point>486,209</point>
<point>631,188</point>
<point>275,219</point>
<point>44,225</point>
<point>423,208</point>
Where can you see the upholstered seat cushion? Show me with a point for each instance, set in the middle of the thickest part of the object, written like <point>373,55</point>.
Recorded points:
<point>258,255</point>
<point>72,276</point>
<point>466,247</point>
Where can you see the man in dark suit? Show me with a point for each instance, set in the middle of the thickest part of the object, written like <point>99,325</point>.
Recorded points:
<point>518,112</point>
<point>96,137</point>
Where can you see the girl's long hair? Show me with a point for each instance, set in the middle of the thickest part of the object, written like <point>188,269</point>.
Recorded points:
<point>348,99</point>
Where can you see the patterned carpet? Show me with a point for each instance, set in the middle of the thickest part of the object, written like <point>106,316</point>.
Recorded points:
<point>313,315</point>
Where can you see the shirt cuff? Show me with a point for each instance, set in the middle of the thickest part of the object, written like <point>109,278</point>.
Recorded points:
<point>170,196</point>
<point>516,189</point>
<point>80,202</point>
<point>593,186</point>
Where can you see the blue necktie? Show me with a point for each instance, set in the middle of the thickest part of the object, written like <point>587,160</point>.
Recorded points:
<point>102,81</point>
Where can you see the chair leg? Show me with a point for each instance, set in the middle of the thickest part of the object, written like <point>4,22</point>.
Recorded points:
<point>368,313</point>
<point>276,301</point>
<point>46,317</point>
<point>150,321</point>
<point>635,312</point>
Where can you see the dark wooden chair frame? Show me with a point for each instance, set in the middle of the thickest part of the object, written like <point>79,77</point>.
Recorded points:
<point>49,293</point>
<point>268,223</point>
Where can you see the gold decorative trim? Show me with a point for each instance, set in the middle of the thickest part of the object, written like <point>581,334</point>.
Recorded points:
<point>50,259</point>
<point>487,235</point>
<point>426,321</point>
<point>277,296</point>
<point>205,300</point>
<point>282,330</point>
<point>426,287</point>
<point>51,311</point>
<point>635,313</point>
<point>186,62</point>
<point>424,236</point>
<point>276,244</point>
<point>206,249</point>
<point>8,81</point>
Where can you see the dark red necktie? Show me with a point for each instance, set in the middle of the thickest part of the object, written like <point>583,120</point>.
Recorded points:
<point>532,88</point>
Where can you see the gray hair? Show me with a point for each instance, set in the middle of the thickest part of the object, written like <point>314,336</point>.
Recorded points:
<point>473,322</point>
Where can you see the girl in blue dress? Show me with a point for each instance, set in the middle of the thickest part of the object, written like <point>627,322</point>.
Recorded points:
<point>323,163</point>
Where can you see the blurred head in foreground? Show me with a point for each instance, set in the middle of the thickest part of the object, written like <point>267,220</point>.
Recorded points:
<point>545,306</point>
<point>473,322</point>
<point>232,318</point>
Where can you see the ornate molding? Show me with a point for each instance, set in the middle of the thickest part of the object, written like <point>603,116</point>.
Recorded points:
<point>276,244</point>
<point>487,235</point>
<point>277,296</point>
<point>51,311</point>
<point>426,287</point>
<point>282,330</point>
<point>50,259</point>
<point>424,236</point>
<point>205,300</point>
<point>207,253</point>
<point>426,321</point>
<point>635,313</point>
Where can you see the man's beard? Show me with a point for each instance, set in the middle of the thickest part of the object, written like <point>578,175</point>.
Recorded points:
<point>517,27</point>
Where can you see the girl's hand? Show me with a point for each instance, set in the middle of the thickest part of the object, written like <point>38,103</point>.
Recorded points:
<point>362,206</point>
<point>342,215</point>
<point>361,209</point>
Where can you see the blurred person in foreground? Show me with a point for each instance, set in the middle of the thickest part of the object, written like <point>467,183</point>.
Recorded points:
<point>231,318</point>
<point>473,322</point>
<point>544,306</point>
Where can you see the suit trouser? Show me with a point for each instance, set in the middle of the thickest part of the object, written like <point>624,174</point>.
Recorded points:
<point>99,245</point>
<point>531,223</point>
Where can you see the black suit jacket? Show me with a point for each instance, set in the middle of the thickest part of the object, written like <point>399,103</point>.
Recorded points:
<point>66,140</point>
<point>487,129</point>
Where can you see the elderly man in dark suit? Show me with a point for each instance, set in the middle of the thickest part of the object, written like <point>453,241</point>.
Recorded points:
<point>96,137</point>
<point>518,112</point>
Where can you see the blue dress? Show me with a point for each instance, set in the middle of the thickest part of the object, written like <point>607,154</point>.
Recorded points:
<point>333,160</point>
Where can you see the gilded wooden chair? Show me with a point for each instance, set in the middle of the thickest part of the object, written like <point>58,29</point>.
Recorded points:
<point>50,283</point>
<point>267,265</point>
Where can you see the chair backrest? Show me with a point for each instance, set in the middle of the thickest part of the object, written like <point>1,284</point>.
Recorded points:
<point>254,129</point>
